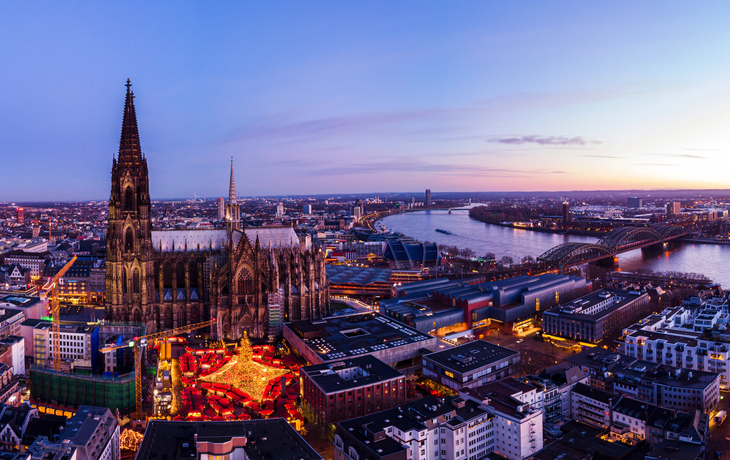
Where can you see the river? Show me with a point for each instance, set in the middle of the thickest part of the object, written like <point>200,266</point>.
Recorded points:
<point>708,259</point>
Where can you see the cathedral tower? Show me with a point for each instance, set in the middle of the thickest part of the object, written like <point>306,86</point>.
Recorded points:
<point>233,209</point>
<point>129,278</point>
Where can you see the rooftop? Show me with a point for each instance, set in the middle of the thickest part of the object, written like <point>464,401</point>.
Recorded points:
<point>341,337</point>
<point>416,415</point>
<point>264,439</point>
<point>596,305</point>
<point>351,373</point>
<point>470,356</point>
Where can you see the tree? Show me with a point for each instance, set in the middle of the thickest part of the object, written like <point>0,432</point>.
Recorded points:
<point>506,260</point>
<point>528,260</point>
<point>490,256</point>
<point>467,253</point>
<point>244,349</point>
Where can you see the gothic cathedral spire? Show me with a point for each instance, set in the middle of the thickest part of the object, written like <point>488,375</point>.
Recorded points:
<point>232,187</point>
<point>129,278</point>
<point>233,209</point>
<point>129,148</point>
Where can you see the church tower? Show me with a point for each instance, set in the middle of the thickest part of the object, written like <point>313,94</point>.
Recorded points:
<point>233,209</point>
<point>129,260</point>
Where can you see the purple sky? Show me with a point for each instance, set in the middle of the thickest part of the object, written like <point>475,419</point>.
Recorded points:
<point>350,97</point>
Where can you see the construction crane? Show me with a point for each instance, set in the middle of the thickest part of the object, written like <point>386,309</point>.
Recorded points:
<point>140,342</point>
<point>52,288</point>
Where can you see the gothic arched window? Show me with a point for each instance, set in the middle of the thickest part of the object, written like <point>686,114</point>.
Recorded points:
<point>193,274</point>
<point>135,281</point>
<point>129,240</point>
<point>129,199</point>
<point>245,282</point>
<point>167,276</point>
<point>180,275</point>
<point>124,280</point>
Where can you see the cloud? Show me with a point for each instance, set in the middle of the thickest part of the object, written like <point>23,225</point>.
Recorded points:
<point>677,155</point>
<point>602,156</point>
<point>546,140</point>
<point>654,164</point>
<point>707,150</point>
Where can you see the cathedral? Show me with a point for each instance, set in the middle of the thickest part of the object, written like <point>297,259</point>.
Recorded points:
<point>250,279</point>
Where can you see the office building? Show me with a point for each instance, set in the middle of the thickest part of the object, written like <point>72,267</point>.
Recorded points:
<point>451,428</point>
<point>35,261</point>
<point>307,209</point>
<point>342,337</point>
<point>596,316</point>
<point>674,209</point>
<point>471,365</point>
<point>12,353</point>
<point>633,202</point>
<point>221,208</point>
<point>79,343</point>
<point>428,198</point>
<point>441,303</point>
<point>566,214</point>
<point>267,439</point>
<point>347,389</point>
<point>21,216</point>
<point>32,307</point>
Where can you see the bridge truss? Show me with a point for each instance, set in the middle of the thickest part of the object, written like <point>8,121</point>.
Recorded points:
<point>617,241</point>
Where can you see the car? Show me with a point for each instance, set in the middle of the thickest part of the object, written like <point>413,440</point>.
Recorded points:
<point>520,340</point>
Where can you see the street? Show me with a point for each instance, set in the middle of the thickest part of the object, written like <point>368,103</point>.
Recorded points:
<point>718,434</point>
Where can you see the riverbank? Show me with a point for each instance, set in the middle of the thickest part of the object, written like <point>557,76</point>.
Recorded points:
<point>705,241</point>
<point>545,230</point>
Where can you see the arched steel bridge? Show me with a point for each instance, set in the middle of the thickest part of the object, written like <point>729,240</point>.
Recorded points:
<point>615,242</point>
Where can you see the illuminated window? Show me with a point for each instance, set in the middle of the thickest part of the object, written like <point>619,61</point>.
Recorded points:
<point>449,374</point>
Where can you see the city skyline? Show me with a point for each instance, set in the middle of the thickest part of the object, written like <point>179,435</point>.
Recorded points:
<point>329,98</point>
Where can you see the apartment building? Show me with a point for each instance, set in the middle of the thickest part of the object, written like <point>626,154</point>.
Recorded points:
<point>92,433</point>
<point>592,406</point>
<point>471,365</point>
<point>518,421</point>
<point>450,428</point>
<point>554,386</point>
<point>10,321</point>
<point>687,337</point>
<point>668,386</point>
<point>347,389</point>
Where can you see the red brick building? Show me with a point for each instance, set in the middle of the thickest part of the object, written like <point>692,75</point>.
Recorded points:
<point>352,388</point>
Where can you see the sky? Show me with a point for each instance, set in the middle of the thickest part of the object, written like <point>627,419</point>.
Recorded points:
<point>357,97</point>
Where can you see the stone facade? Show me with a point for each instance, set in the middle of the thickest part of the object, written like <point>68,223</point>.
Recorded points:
<point>248,279</point>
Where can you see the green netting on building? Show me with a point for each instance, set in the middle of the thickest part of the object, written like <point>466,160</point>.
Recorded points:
<point>73,390</point>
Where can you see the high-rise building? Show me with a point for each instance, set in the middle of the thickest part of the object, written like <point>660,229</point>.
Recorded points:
<point>280,209</point>
<point>21,215</point>
<point>360,204</point>
<point>221,208</point>
<point>428,197</point>
<point>674,208</point>
<point>307,209</point>
<point>566,214</point>
<point>633,202</point>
